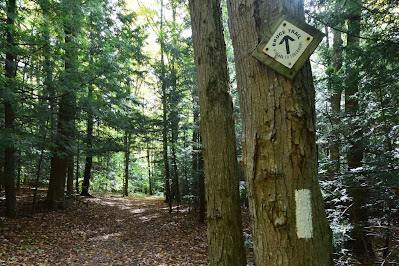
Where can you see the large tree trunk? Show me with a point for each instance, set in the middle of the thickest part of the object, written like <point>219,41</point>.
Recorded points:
<point>288,220</point>
<point>224,230</point>
<point>360,244</point>
<point>9,113</point>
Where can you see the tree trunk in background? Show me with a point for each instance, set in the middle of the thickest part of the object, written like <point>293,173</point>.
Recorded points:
<point>360,245</point>
<point>175,191</point>
<point>1,170</point>
<point>9,113</point>
<point>48,67</point>
<point>89,145</point>
<point>87,176</point>
<point>175,180</point>
<point>19,168</point>
<point>127,156</point>
<point>174,112</point>
<point>198,161</point>
<point>288,221</point>
<point>70,173</point>
<point>149,171</point>
<point>66,113</point>
<point>224,228</point>
<point>77,170</point>
<point>335,99</point>
<point>168,197</point>
<point>201,185</point>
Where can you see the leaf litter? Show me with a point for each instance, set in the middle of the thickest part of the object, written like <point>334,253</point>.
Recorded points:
<point>102,230</point>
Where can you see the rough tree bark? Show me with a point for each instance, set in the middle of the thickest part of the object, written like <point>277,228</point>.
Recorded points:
<point>224,230</point>
<point>288,220</point>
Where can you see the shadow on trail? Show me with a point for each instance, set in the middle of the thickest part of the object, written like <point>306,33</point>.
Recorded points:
<point>107,230</point>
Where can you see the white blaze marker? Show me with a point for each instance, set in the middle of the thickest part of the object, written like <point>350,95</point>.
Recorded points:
<point>304,226</point>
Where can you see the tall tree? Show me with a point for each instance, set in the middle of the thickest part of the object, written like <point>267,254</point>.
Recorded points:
<point>164,114</point>
<point>288,220</point>
<point>127,158</point>
<point>224,231</point>
<point>67,108</point>
<point>360,244</point>
<point>150,190</point>
<point>335,99</point>
<point>9,109</point>
<point>174,116</point>
<point>89,143</point>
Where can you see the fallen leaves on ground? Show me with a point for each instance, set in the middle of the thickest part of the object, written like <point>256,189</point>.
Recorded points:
<point>103,230</point>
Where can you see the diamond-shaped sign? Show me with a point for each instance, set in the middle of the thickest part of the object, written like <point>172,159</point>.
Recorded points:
<point>288,45</point>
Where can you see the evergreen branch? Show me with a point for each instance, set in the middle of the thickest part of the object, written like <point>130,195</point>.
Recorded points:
<point>346,32</point>
<point>373,11</point>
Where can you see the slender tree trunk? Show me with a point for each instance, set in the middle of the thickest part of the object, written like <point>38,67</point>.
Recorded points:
<point>224,230</point>
<point>175,183</point>
<point>19,168</point>
<point>70,173</point>
<point>127,156</point>
<point>174,112</point>
<point>201,187</point>
<point>335,101</point>
<point>149,171</point>
<point>288,220</point>
<point>89,145</point>
<point>168,197</point>
<point>360,244</point>
<point>9,113</point>
<point>1,170</point>
<point>39,167</point>
<point>77,174</point>
<point>198,162</point>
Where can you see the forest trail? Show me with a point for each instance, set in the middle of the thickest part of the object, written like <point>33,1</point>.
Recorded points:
<point>103,230</point>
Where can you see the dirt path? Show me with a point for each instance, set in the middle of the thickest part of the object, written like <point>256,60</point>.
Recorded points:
<point>105,230</point>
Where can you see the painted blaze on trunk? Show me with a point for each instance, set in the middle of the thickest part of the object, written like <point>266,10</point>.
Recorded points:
<point>288,220</point>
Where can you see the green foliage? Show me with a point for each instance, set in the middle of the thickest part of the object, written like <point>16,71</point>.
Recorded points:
<point>372,66</point>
